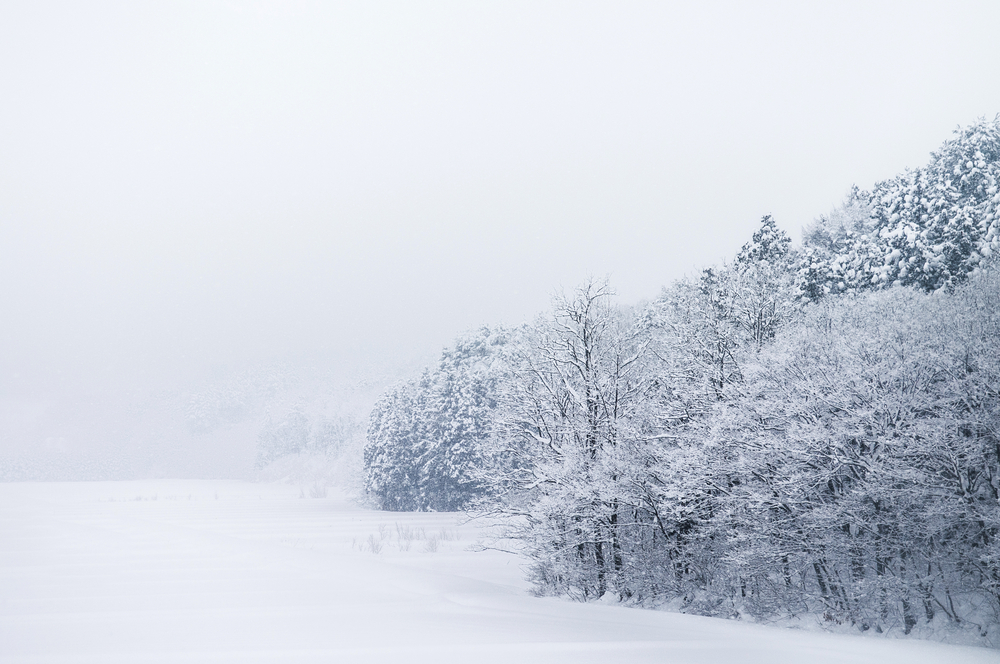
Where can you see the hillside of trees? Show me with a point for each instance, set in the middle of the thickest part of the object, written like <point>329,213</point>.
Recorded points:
<point>809,431</point>
<point>928,228</point>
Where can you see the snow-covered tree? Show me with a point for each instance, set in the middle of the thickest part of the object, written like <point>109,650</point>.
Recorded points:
<point>762,282</point>
<point>570,443</point>
<point>424,436</point>
<point>704,332</point>
<point>728,310</point>
<point>392,475</point>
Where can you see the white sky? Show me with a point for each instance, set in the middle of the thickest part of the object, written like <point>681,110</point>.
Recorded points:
<point>187,187</point>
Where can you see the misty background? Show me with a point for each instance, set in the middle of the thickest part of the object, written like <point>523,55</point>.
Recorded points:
<point>214,212</point>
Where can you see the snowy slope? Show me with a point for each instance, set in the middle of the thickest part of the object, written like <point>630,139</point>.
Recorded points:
<point>213,571</point>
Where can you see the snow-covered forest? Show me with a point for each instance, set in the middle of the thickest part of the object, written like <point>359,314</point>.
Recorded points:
<point>803,431</point>
<point>548,331</point>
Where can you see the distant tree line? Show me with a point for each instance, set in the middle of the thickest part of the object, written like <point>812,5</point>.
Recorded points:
<point>809,431</point>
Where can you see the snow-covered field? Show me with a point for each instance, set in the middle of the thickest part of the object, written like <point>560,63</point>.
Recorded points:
<point>222,571</point>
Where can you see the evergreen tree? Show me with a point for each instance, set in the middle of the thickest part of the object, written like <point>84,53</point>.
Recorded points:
<point>424,436</point>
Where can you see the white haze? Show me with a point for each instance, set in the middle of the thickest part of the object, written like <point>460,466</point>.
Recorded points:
<point>189,190</point>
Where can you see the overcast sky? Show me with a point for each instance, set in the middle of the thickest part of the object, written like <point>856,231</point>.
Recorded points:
<point>193,187</point>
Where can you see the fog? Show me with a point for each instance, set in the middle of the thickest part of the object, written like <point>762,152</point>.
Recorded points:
<point>196,196</point>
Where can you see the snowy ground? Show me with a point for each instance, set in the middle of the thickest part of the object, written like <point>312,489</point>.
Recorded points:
<point>214,571</point>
